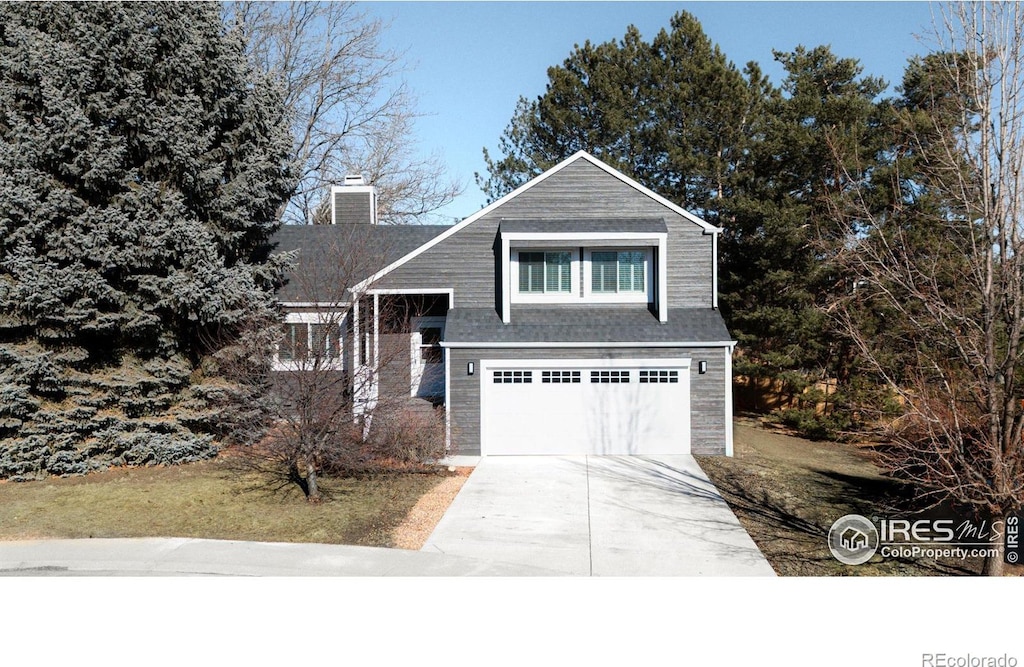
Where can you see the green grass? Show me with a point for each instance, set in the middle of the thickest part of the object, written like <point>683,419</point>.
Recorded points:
<point>205,500</point>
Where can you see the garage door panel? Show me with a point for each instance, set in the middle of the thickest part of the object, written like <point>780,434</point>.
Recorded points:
<point>585,408</point>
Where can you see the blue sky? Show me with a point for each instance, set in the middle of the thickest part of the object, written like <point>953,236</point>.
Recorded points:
<point>468,62</point>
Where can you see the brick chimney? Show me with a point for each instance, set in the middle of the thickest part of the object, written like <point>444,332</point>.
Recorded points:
<point>354,202</point>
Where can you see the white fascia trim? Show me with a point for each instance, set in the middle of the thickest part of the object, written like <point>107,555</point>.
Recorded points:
<point>356,364</point>
<point>708,228</point>
<point>376,333</point>
<point>670,362</point>
<point>418,290</point>
<point>714,271</point>
<point>319,317</point>
<point>330,305</point>
<point>447,401</point>
<point>728,402</point>
<point>299,366</point>
<point>507,345</point>
<point>662,292</point>
<point>584,236</point>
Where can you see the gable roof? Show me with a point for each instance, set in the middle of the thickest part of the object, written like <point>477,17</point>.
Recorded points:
<point>326,251</point>
<point>580,155</point>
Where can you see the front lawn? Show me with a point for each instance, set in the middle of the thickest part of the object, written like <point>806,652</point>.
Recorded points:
<point>204,500</point>
<point>787,491</point>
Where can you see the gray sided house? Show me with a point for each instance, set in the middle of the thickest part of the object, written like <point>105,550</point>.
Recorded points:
<point>576,315</point>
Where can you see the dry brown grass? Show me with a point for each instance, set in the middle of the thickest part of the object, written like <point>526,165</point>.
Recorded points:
<point>787,491</point>
<point>202,500</point>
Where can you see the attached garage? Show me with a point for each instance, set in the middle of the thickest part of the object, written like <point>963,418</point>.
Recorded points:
<point>585,406</point>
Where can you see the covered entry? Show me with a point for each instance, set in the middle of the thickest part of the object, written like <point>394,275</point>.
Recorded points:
<point>585,406</point>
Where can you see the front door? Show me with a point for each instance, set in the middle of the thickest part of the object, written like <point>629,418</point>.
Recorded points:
<point>427,370</point>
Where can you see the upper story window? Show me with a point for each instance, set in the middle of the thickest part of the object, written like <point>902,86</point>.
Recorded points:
<point>618,275</point>
<point>545,276</point>
<point>545,272</point>
<point>610,275</point>
<point>618,272</point>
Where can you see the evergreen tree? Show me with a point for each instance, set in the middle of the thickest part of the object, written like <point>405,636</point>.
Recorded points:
<point>142,167</point>
<point>776,271</point>
<point>674,113</point>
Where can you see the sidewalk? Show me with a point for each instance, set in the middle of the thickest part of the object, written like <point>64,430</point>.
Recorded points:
<point>181,556</point>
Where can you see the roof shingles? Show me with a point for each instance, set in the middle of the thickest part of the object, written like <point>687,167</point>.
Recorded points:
<point>332,258</point>
<point>585,324</point>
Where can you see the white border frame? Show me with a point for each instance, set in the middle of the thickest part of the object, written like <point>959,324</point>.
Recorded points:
<point>414,325</point>
<point>586,344</point>
<point>659,239</point>
<point>728,401</point>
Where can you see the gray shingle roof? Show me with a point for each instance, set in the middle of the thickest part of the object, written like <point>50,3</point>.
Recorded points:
<point>333,257</point>
<point>585,324</point>
<point>584,225</point>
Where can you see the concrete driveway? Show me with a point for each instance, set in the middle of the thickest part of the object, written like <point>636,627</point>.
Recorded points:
<point>591,515</point>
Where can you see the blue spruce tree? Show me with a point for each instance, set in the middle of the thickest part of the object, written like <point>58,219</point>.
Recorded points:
<point>143,164</point>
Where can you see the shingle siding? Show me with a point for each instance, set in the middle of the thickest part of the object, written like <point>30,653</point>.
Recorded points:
<point>353,207</point>
<point>707,392</point>
<point>467,261</point>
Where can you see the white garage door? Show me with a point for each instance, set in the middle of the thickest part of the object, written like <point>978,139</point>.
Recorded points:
<point>609,407</point>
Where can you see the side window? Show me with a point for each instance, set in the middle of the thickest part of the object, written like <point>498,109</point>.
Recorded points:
<point>305,341</point>
<point>293,342</point>
<point>326,340</point>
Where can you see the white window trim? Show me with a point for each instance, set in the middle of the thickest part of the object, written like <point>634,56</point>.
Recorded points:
<point>589,295</point>
<point>313,318</point>
<point>572,296</point>
<point>657,294</point>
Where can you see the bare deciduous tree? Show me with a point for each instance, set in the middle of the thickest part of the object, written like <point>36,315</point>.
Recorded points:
<point>351,112</point>
<point>942,270</point>
<point>308,399</point>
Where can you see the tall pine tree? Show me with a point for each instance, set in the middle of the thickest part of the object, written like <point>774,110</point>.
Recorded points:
<point>776,272</point>
<point>673,113</point>
<point>142,166</point>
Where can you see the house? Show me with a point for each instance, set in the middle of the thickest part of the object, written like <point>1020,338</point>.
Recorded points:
<point>576,315</point>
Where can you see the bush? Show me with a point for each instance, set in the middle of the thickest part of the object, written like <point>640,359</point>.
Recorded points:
<point>407,437</point>
<point>813,425</point>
